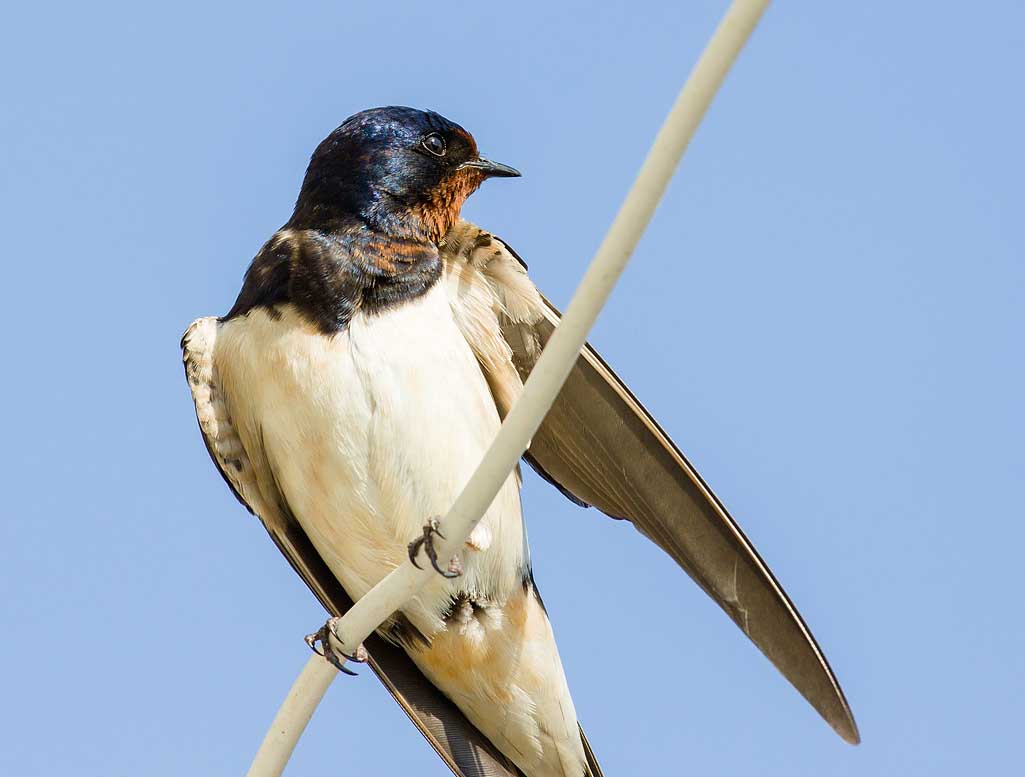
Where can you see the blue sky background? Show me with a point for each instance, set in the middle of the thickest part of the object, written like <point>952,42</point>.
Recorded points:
<point>826,314</point>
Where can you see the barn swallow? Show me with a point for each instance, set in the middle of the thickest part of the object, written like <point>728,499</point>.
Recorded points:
<point>376,345</point>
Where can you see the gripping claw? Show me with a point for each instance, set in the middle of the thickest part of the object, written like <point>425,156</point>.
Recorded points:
<point>323,636</point>
<point>455,567</point>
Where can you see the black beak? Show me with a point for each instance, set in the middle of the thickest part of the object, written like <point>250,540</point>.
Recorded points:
<point>492,169</point>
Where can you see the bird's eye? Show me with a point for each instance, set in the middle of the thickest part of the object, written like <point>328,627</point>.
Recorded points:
<point>434,143</point>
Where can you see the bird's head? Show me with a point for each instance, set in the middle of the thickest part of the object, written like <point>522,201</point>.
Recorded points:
<point>403,170</point>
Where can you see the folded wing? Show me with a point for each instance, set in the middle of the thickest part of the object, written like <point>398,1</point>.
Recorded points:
<point>601,447</point>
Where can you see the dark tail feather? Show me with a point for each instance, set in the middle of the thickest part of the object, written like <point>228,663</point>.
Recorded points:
<point>593,769</point>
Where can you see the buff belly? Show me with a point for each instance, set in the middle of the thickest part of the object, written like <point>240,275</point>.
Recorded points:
<point>370,432</point>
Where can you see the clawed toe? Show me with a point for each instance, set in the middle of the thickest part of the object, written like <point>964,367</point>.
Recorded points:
<point>331,655</point>
<point>431,530</point>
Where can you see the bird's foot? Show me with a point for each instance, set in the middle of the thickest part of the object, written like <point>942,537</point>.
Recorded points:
<point>455,565</point>
<point>323,635</point>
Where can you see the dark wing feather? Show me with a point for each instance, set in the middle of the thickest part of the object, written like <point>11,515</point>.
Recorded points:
<point>466,751</point>
<point>601,445</point>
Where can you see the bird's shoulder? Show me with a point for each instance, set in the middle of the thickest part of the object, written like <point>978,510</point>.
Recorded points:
<point>219,433</point>
<point>494,301</point>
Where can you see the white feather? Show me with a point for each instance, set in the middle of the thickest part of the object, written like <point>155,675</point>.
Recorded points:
<point>368,434</point>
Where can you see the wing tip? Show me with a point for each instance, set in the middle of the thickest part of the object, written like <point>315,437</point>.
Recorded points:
<point>847,727</point>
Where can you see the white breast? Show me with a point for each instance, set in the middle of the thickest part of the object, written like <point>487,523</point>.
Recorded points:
<point>370,432</point>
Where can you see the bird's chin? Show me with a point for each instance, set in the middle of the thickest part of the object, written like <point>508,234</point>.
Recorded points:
<point>441,209</point>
